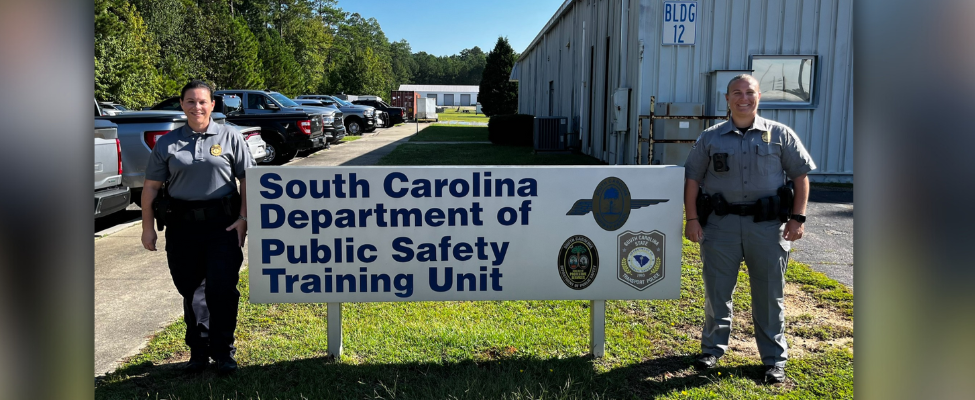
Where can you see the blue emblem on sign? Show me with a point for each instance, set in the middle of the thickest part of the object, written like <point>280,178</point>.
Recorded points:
<point>611,204</point>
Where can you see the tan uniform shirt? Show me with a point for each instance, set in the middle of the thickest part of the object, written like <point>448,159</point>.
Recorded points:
<point>756,163</point>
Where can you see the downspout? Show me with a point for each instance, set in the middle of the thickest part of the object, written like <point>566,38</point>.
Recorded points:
<point>624,36</point>
<point>582,93</point>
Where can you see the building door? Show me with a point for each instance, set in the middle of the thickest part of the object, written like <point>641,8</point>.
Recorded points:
<point>448,99</point>
<point>465,99</point>
<point>433,96</point>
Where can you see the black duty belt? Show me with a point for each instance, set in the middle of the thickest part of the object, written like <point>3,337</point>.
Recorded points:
<point>204,210</point>
<point>741,209</point>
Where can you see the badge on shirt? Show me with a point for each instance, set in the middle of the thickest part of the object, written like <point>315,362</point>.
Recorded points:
<point>766,137</point>
<point>216,150</point>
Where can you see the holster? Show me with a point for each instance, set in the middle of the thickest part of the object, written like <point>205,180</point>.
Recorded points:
<point>162,207</point>
<point>704,207</point>
<point>776,207</point>
<point>787,195</point>
<point>719,204</point>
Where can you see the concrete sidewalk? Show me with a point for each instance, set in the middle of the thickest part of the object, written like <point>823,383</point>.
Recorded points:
<point>134,294</point>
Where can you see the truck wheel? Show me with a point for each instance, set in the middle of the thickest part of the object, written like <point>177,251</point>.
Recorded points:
<point>277,154</point>
<point>353,127</point>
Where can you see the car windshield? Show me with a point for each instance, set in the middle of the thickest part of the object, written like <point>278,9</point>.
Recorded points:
<point>384,104</point>
<point>120,107</point>
<point>342,102</point>
<point>283,100</point>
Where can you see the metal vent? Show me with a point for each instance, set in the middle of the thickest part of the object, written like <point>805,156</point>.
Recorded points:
<point>550,133</point>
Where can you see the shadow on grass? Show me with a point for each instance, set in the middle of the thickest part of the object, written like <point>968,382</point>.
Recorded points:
<point>572,377</point>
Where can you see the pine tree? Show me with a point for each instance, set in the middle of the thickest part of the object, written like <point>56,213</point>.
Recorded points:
<point>498,95</point>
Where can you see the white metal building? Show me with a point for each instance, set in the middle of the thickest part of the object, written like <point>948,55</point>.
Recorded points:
<point>598,62</point>
<point>446,95</point>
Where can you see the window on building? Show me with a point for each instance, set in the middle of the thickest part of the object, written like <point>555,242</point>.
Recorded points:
<point>786,81</point>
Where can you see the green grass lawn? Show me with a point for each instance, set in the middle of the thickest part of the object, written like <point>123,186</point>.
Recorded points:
<point>510,349</point>
<point>439,133</point>
<point>450,114</point>
<point>349,138</point>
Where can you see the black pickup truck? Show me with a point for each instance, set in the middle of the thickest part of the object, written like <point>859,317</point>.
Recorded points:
<point>396,114</point>
<point>286,132</point>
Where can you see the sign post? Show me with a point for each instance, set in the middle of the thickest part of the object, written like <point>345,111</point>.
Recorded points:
<point>334,336</point>
<point>366,234</point>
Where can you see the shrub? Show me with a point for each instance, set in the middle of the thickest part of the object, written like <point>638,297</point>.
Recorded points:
<point>511,129</point>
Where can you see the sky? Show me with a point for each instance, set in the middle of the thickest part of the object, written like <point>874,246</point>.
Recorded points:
<point>444,28</point>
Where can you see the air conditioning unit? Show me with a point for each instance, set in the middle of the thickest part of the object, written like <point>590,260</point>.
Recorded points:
<point>550,133</point>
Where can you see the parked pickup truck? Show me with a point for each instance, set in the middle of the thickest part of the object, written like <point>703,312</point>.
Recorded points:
<point>358,119</point>
<point>110,194</point>
<point>396,114</point>
<point>285,131</point>
<point>270,102</point>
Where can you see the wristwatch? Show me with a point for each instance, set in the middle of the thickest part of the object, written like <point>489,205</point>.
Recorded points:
<point>241,217</point>
<point>800,218</point>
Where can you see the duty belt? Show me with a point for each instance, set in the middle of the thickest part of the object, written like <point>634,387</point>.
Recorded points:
<point>742,209</point>
<point>207,210</point>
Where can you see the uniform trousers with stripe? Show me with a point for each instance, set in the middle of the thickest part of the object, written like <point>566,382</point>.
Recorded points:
<point>727,241</point>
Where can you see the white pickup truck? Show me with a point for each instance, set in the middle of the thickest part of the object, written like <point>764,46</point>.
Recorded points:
<point>110,194</point>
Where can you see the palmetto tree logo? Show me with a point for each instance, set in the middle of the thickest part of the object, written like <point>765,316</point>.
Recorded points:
<point>611,204</point>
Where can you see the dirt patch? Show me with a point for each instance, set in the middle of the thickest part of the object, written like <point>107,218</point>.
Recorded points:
<point>803,313</point>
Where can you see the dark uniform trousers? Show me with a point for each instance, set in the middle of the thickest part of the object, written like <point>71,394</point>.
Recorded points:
<point>204,260</point>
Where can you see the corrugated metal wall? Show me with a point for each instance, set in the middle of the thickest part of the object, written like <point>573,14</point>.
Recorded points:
<point>729,32</point>
<point>561,58</point>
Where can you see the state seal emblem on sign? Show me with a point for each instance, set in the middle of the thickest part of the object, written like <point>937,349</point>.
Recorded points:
<point>611,204</point>
<point>641,256</point>
<point>578,262</point>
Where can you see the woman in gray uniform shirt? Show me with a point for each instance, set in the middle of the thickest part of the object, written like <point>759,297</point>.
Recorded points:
<point>205,225</point>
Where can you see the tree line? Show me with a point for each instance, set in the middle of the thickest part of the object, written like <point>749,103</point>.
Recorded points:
<point>146,50</point>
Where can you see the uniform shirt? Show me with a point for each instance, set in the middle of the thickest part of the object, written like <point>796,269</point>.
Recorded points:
<point>200,165</point>
<point>757,162</point>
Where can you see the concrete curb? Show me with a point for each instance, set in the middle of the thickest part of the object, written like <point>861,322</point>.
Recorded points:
<point>117,228</point>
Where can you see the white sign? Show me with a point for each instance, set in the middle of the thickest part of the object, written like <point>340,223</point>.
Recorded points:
<point>366,234</point>
<point>680,22</point>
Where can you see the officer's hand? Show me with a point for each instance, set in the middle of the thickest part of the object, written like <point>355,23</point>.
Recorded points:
<point>793,230</point>
<point>241,227</point>
<point>149,239</point>
<point>693,231</point>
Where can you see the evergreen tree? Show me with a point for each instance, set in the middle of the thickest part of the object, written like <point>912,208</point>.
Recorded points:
<point>238,65</point>
<point>498,95</point>
<point>124,56</point>
<point>281,72</point>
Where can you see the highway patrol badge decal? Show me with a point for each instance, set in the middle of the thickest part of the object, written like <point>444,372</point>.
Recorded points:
<point>611,204</point>
<point>216,150</point>
<point>578,262</point>
<point>641,256</point>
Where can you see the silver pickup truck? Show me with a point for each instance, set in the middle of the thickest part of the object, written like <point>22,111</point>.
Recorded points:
<point>110,194</point>
<point>137,132</point>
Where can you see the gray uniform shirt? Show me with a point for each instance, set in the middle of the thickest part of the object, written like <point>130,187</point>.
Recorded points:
<point>757,162</point>
<point>200,165</point>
